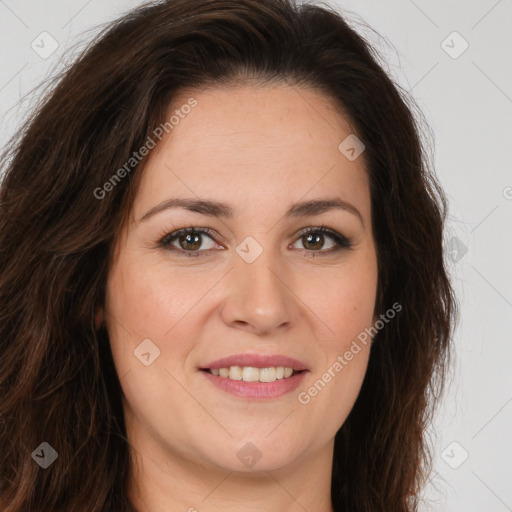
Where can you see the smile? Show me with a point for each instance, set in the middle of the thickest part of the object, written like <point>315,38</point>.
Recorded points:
<point>255,376</point>
<point>252,374</point>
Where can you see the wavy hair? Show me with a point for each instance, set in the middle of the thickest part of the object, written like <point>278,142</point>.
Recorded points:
<point>57,378</point>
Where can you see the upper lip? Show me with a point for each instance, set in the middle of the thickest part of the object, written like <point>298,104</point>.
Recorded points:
<point>257,361</point>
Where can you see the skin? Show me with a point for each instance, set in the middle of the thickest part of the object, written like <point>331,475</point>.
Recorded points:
<point>260,149</point>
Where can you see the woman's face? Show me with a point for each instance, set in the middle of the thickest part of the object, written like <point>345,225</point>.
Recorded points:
<point>255,292</point>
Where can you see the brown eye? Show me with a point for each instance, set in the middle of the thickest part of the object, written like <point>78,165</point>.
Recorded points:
<point>315,240</point>
<point>189,241</point>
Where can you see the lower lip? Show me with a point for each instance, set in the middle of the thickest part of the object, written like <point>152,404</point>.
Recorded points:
<point>256,390</point>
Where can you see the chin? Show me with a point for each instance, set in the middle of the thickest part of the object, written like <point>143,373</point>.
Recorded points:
<point>258,454</point>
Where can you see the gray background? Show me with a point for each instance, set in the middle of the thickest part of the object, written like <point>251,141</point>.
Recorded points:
<point>467,100</point>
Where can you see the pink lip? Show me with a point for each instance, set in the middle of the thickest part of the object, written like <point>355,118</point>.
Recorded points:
<point>256,390</point>
<point>256,361</point>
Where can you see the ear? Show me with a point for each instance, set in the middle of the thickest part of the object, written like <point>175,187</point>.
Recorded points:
<point>99,318</point>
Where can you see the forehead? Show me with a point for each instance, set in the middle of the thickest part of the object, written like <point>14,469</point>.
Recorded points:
<point>251,144</point>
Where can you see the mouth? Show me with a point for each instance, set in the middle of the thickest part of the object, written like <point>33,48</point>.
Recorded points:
<point>254,376</point>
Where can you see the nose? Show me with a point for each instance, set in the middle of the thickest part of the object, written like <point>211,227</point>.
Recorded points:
<point>259,298</point>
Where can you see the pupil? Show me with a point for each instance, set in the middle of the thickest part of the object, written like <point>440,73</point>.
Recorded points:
<point>187,239</point>
<point>319,240</point>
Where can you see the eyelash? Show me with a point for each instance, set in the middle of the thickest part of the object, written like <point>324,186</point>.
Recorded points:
<point>341,241</point>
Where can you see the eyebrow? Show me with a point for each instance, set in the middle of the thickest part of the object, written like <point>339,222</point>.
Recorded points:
<point>217,209</point>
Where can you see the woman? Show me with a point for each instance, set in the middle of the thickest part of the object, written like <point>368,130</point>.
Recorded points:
<point>222,277</point>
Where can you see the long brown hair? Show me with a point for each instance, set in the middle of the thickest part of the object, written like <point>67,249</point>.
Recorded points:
<point>57,378</point>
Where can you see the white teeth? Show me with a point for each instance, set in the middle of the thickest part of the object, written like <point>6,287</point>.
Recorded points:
<point>235,373</point>
<point>252,374</point>
<point>267,374</point>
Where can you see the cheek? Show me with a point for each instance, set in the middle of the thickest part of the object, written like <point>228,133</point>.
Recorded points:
<point>332,395</point>
<point>346,307</point>
<point>332,389</point>
<point>143,303</point>
<point>137,310</point>
<point>347,311</point>
<point>343,299</point>
<point>148,298</point>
